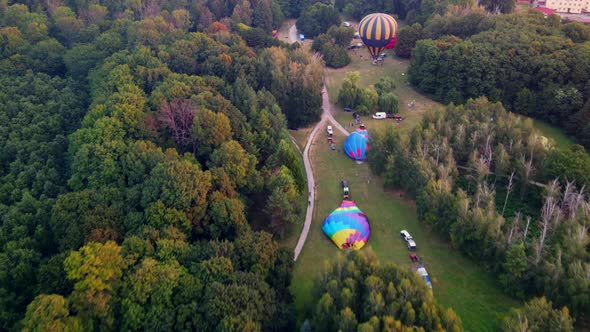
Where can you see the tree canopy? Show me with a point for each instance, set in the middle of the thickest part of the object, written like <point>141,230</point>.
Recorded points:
<point>358,294</point>
<point>135,140</point>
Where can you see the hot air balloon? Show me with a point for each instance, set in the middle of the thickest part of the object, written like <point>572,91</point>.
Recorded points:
<point>356,144</point>
<point>376,31</point>
<point>391,44</point>
<point>347,226</point>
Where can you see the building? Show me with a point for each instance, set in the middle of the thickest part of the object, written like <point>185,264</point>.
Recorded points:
<point>569,6</point>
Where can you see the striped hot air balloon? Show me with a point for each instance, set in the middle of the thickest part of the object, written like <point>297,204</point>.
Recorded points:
<point>356,144</point>
<point>347,226</point>
<point>376,31</point>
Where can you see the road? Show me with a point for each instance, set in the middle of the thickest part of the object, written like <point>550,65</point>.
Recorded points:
<point>326,116</point>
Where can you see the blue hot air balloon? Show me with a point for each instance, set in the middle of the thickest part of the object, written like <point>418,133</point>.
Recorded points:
<point>356,144</point>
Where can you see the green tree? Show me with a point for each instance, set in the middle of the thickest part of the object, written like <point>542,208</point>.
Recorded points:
<point>243,13</point>
<point>96,268</point>
<point>538,315</point>
<point>568,165</point>
<point>356,288</point>
<point>350,94</point>
<point>525,102</point>
<point>68,25</point>
<point>341,35</point>
<point>406,40</point>
<point>347,320</point>
<point>389,103</point>
<point>50,313</point>
<point>317,19</point>
<point>263,15</point>
<point>237,163</point>
<point>209,130</point>
<point>515,265</point>
<point>180,185</point>
<point>576,31</point>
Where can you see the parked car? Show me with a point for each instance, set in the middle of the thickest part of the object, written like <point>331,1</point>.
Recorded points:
<point>346,24</point>
<point>421,270</point>
<point>414,258</point>
<point>345,187</point>
<point>379,116</point>
<point>329,130</point>
<point>347,109</point>
<point>405,235</point>
<point>411,245</point>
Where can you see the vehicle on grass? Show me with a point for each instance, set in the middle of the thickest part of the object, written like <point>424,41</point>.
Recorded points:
<point>411,245</point>
<point>355,46</point>
<point>346,24</point>
<point>347,109</point>
<point>379,116</point>
<point>329,130</point>
<point>345,188</point>
<point>421,270</point>
<point>405,235</point>
<point>414,258</point>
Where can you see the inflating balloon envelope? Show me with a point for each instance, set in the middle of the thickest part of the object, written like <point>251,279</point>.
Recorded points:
<point>347,226</point>
<point>356,144</point>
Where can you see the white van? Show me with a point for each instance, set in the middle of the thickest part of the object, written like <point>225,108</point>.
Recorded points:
<point>379,115</point>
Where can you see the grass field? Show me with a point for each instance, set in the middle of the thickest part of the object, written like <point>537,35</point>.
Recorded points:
<point>397,69</point>
<point>394,67</point>
<point>562,141</point>
<point>457,282</point>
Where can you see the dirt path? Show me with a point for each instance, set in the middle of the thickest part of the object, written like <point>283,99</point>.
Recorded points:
<point>326,116</point>
<point>293,38</point>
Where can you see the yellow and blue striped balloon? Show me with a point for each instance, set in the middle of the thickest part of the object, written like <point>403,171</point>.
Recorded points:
<point>376,31</point>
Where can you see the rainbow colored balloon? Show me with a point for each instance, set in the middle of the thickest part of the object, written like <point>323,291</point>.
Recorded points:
<point>347,226</point>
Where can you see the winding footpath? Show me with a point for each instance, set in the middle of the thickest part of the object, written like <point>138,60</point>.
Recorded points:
<point>326,116</point>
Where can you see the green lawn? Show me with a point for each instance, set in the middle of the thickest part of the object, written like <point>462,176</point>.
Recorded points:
<point>392,66</point>
<point>300,136</point>
<point>457,281</point>
<point>562,141</point>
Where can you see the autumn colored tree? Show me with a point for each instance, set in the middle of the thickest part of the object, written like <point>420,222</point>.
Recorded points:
<point>96,268</point>
<point>50,313</point>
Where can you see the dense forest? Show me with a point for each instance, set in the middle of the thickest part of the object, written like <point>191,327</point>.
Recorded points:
<point>146,171</point>
<point>479,176</point>
<point>139,144</point>
<point>136,141</point>
<point>535,66</point>
<point>359,294</point>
